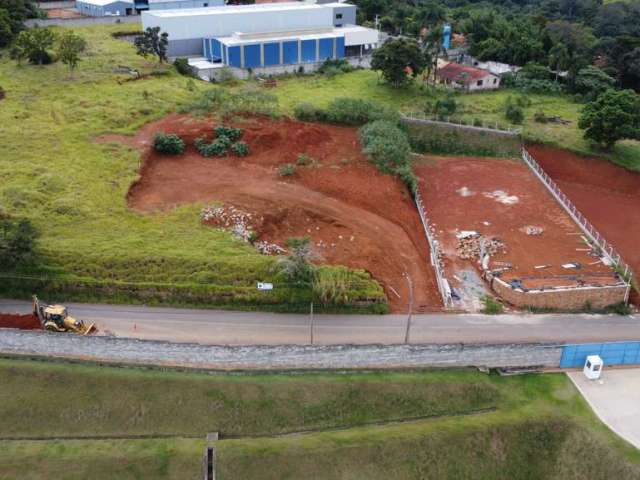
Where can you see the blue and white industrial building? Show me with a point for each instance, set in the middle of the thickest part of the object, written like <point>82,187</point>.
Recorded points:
<point>265,38</point>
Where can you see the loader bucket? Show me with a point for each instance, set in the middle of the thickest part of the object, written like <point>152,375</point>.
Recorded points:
<point>89,329</point>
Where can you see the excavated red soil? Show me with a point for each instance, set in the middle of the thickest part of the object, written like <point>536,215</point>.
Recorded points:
<point>23,322</point>
<point>608,195</point>
<point>355,215</point>
<point>456,193</point>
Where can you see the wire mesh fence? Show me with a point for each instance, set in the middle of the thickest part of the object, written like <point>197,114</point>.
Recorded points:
<point>596,237</point>
<point>460,122</point>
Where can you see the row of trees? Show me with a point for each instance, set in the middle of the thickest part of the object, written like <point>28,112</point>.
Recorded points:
<point>36,45</point>
<point>560,34</point>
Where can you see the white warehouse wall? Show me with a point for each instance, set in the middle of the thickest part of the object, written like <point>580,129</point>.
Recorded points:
<point>224,21</point>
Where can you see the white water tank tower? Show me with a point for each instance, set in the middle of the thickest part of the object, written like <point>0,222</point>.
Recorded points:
<point>593,367</point>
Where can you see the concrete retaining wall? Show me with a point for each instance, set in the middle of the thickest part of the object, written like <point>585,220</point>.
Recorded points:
<point>132,351</point>
<point>430,136</point>
<point>561,299</point>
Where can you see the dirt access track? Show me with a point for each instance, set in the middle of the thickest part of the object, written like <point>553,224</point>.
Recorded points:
<point>608,195</point>
<point>355,215</point>
<point>500,198</point>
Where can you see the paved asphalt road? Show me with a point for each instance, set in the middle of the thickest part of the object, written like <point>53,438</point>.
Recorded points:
<point>252,328</point>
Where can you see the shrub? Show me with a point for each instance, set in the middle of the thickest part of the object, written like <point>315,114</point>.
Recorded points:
<point>168,143</point>
<point>17,241</point>
<point>445,107</point>
<point>386,145</point>
<point>303,159</point>
<point>332,67</point>
<point>226,102</point>
<point>307,112</point>
<point>241,149</point>
<point>491,306</point>
<point>513,112</point>
<point>332,286</point>
<point>287,170</point>
<point>217,148</point>
<point>405,173</point>
<point>355,111</point>
<point>182,67</point>
<point>230,132</point>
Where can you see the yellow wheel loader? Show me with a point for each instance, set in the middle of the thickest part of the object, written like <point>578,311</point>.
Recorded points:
<point>54,318</point>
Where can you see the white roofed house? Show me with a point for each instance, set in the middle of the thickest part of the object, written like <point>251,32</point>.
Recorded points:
<point>265,38</point>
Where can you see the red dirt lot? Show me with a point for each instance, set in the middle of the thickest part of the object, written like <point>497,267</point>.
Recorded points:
<point>63,13</point>
<point>608,195</point>
<point>355,215</point>
<point>23,322</point>
<point>460,194</point>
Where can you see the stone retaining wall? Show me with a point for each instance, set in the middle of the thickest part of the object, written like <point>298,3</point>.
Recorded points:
<point>133,351</point>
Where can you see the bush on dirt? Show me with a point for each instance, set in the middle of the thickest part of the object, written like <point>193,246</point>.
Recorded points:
<point>386,145</point>
<point>303,159</point>
<point>287,170</point>
<point>168,143</point>
<point>217,148</point>
<point>230,132</point>
<point>241,149</point>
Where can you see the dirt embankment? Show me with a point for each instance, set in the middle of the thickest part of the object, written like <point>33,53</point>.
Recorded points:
<point>23,322</point>
<point>355,215</point>
<point>608,195</point>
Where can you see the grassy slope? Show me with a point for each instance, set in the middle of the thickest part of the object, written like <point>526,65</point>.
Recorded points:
<point>74,189</point>
<point>540,429</point>
<point>486,106</point>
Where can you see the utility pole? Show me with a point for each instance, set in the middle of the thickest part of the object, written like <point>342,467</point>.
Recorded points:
<point>311,323</point>
<point>406,333</point>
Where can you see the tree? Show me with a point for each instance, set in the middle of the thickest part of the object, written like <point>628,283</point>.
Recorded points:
<point>591,82</point>
<point>559,58</point>
<point>70,45</point>
<point>395,58</point>
<point>614,115</point>
<point>34,44</point>
<point>296,266</point>
<point>13,13</point>
<point>17,239</point>
<point>152,42</point>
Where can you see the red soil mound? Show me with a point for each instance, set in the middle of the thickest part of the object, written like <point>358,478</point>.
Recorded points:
<point>608,195</point>
<point>355,215</point>
<point>23,322</point>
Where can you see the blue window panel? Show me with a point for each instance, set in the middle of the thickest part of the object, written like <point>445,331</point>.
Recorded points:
<point>234,56</point>
<point>309,51</point>
<point>271,54</point>
<point>205,43</point>
<point>216,49</point>
<point>290,52</point>
<point>326,48</point>
<point>251,56</point>
<point>617,353</point>
<point>340,47</point>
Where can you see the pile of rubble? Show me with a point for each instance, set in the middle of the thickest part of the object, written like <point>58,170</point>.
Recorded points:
<point>532,230</point>
<point>470,244</point>
<point>240,225</point>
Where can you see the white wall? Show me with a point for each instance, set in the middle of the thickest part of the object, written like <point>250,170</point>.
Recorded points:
<point>198,25</point>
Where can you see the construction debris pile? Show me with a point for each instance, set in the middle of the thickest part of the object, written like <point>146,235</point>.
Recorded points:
<point>532,230</point>
<point>471,245</point>
<point>240,224</point>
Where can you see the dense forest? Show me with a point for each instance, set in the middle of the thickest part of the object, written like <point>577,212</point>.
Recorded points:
<point>548,35</point>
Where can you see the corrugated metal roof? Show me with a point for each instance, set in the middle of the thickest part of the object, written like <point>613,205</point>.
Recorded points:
<point>233,9</point>
<point>461,73</point>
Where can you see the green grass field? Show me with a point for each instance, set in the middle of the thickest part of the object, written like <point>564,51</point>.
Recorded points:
<point>73,189</point>
<point>424,424</point>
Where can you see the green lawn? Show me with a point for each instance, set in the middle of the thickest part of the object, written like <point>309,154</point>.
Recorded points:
<point>73,189</point>
<point>488,107</point>
<point>437,424</point>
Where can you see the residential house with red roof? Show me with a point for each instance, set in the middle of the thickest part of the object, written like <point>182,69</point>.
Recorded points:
<point>467,78</point>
